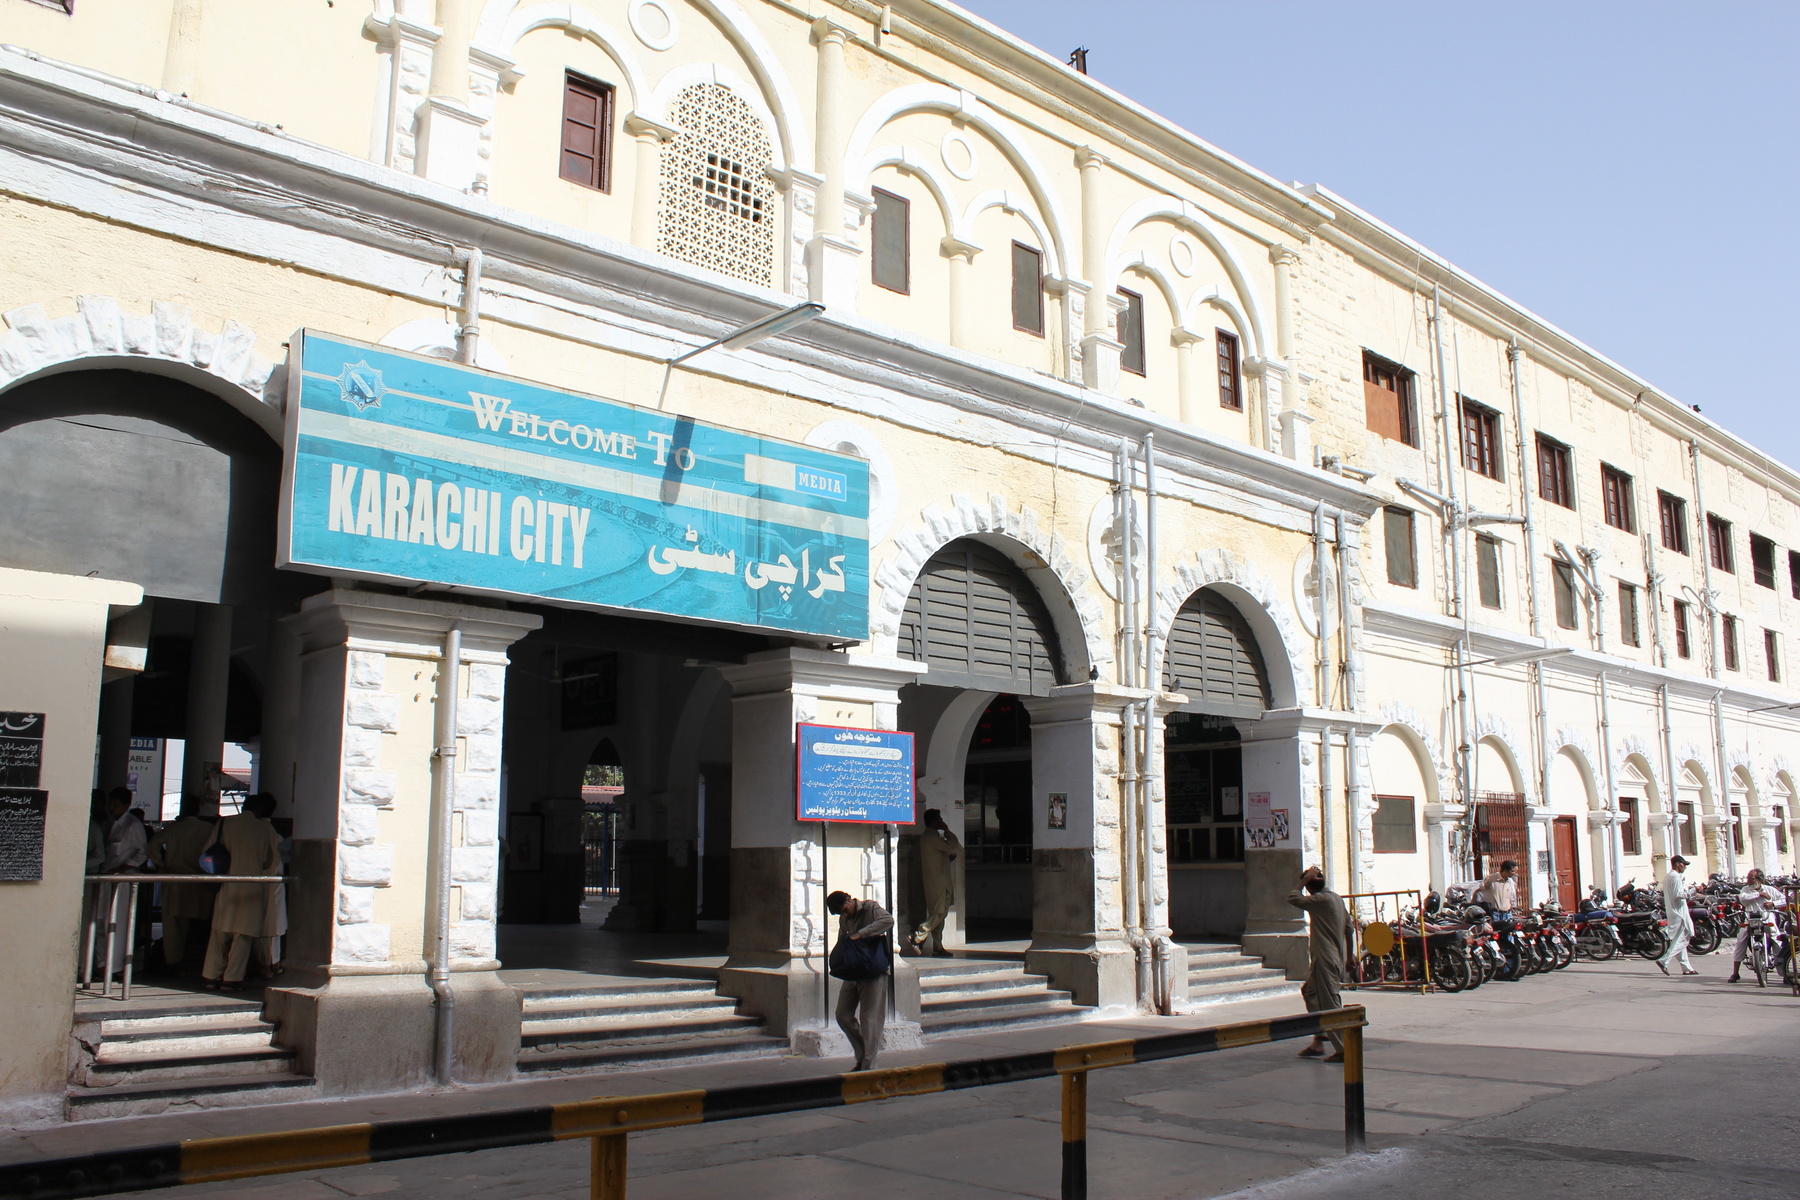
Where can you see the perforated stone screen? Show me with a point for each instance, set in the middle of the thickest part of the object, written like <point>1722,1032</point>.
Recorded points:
<point>718,206</point>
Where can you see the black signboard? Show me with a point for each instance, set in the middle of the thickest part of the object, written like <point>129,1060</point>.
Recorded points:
<point>21,749</point>
<point>22,834</point>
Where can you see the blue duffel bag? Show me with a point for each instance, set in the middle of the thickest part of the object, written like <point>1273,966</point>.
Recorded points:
<point>857,959</point>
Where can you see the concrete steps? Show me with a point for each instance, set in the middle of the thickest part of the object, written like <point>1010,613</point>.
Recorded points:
<point>966,995</point>
<point>1222,974</point>
<point>146,1059</point>
<point>632,1022</point>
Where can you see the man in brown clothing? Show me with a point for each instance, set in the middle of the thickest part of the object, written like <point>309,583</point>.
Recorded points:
<point>1330,921</point>
<point>862,1003</point>
<point>241,912</point>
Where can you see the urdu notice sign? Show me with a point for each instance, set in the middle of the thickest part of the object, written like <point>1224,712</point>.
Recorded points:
<point>863,776</point>
<point>413,469</point>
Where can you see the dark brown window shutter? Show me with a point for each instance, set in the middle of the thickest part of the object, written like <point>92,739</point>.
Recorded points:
<point>587,133</point>
<point>1027,289</point>
<point>891,242</point>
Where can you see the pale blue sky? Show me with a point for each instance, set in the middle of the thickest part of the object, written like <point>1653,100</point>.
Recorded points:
<point>1625,170</point>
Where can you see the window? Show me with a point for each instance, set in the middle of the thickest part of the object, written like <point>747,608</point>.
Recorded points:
<point>1615,493</point>
<point>1628,615</point>
<point>1563,577</point>
<point>1393,825</point>
<point>1673,511</point>
<point>890,243</point>
<point>1388,400</point>
<point>1027,289</point>
<point>1689,836</point>
<point>1762,560</point>
<point>1231,376</point>
<point>1780,815</point>
<point>1487,569</point>
<point>1718,543</point>
<point>1481,439</point>
<point>716,203</point>
<point>1728,633</point>
<point>1554,481</point>
<point>1628,831</point>
<point>1772,652</point>
<point>1131,332</point>
<point>587,132</point>
<point>1402,561</point>
<point>1794,573</point>
<point>1683,649</point>
<point>1737,829</point>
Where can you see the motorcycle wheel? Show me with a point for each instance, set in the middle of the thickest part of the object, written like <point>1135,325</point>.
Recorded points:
<point>1706,936</point>
<point>1448,975</point>
<point>1759,962</point>
<point>1595,945</point>
<point>1565,950</point>
<point>1653,944</point>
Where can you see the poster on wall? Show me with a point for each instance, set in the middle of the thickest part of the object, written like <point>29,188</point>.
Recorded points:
<point>407,468</point>
<point>1259,821</point>
<point>860,776</point>
<point>21,749</point>
<point>22,813</point>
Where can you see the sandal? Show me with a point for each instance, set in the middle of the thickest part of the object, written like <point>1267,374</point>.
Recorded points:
<point>1336,1058</point>
<point>1313,1052</point>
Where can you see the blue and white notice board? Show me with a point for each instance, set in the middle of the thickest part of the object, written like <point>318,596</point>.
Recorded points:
<point>864,776</point>
<point>414,469</point>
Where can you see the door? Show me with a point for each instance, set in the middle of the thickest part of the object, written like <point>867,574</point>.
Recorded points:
<point>1564,863</point>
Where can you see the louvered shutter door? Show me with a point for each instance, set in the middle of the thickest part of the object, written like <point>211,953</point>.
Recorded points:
<point>1213,659</point>
<point>979,623</point>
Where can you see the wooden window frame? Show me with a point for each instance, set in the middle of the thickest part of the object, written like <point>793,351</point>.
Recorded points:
<point>1762,561</point>
<point>1718,544</point>
<point>1671,511</point>
<point>1556,477</point>
<point>1563,579</point>
<point>1037,256</point>
<point>1728,640</point>
<point>1687,833</point>
<point>1678,616</point>
<point>1407,412</point>
<point>1629,840</point>
<point>1390,515</point>
<point>876,258</point>
<point>1772,653</point>
<point>1231,370</point>
<point>1629,631</point>
<point>603,94</point>
<point>1133,353</point>
<point>1481,449</point>
<point>1794,573</point>
<point>1616,494</point>
<point>1488,544</point>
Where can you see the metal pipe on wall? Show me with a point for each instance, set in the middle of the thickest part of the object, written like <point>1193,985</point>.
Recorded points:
<point>443,829</point>
<point>1453,518</point>
<point>1162,948</point>
<point>1614,851</point>
<point>1670,792</point>
<point>468,334</point>
<point>1128,737</point>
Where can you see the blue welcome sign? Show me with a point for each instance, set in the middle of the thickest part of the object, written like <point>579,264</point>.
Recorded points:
<point>858,775</point>
<point>401,467</point>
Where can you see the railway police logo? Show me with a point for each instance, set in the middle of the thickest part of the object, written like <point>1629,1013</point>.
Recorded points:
<point>360,384</point>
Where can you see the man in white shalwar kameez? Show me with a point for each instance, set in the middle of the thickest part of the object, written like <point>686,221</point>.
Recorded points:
<point>1675,911</point>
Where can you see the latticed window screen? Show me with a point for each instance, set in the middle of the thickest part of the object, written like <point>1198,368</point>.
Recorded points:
<point>1213,659</point>
<point>718,206</point>
<point>977,621</point>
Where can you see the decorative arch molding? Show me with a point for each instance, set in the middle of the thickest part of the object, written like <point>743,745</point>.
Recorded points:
<point>964,108</point>
<point>1185,216</point>
<point>1568,737</point>
<point>1135,262</point>
<point>1014,205</point>
<point>1638,764</point>
<point>576,20</point>
<point>438,339</point>
<point>1737,758</point>
<point>689,75</point>
<point>1781,774</point>
<point>772,90</point>
<point>1271,618</point>
<point>1633,744</point>
<point>1692,754</point>
<point>911,162</point>
<point>1210,298</point>
<point>164,341</point>
<point>1403,721</point>
<point>1695,765</point>
<point>1584,766</point>
<point>1078,616</point>
<point>1494,730</point>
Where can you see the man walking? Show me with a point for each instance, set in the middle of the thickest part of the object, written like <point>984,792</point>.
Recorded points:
<point>1330,921</point>
<point>862,1003</point>
<point>1756,896</point>
<point>1675,911</point>
<point>176,850</point>
<point>937,851</point>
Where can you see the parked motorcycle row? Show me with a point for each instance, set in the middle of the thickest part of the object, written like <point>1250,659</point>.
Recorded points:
<point>1465,945</point>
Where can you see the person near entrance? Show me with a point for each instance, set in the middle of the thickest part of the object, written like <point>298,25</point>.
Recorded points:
<point>938,849</point>
<point>862,1002</point>
<point>1756,891</point>
<point>176,850</point>
<point>1499,892</point>
<point>1675,912</point>
<point>241,910</point>
<point>1330,922</point>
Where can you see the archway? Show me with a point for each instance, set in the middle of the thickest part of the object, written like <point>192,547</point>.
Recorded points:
<point>1406,850</point>
<point>1642,819</point>
<point>1693,807</point>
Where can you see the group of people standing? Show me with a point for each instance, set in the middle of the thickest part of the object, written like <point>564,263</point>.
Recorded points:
<point>242,922</point>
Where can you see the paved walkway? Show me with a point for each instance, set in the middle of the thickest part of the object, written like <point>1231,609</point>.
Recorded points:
<point>1597,1076</point>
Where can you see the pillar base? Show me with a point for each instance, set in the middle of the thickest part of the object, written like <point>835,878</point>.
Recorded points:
<point>1102,974</point>
<point>787,999</point>
<point>1283,951</point>
<point>813,1042</point>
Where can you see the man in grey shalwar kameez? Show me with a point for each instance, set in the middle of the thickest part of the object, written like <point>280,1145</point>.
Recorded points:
<point>1329,921</point>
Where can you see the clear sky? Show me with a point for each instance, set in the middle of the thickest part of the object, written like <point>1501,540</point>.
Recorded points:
<point>1623,169</point>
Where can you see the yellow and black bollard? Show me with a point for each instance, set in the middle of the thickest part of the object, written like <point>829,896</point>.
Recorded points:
<point>1074,1135</point>
<point>1356,1135</point>
<point>606,1176</point>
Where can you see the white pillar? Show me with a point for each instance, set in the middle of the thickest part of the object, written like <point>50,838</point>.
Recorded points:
<point>833,253</point>
<point>1187,374</point>
<point>646,183</point>
<point>961,257</point>
<point>1440,821</point>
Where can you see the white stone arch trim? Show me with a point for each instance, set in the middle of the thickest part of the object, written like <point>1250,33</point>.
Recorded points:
<point>911,162</point>
<point>1569,736</point>
<point>1257,599</point>
<point>1180,213</point>
<point>1577,753</point>
<point>965,109</point>
<point>688,75</point>
<point>1694,764</point>
<point>1743,780</point>
<point>947,752</point>
<point>1639,762</point>
<point>1018,206</point>
<point>1781,775</point>
<point>1224,306</point>
<point>1493,730</point>
<point>773,93</point>
<point>164,341</point>
<point>438,339</point>
<point>575,19</point>
<point>1078,616</point>
<point>1136,262</point>
<point>1402,720</point>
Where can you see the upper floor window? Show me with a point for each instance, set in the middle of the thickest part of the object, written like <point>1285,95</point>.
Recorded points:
<point>1628,615</point>
<point>1628,830</point>
<point>1772,653</point>
<point>1562,577</point>
<point>1728,634</point>
<point>1481,438</point>
<point>1231,375</point>
<point>1683,647</point>
<point>1388,400</point>
<point>587,132</point>
<point>1762,560</point>
<point>1487,569</point>
<point>1555,481</point>
<point>1402,558</point>
<point>1718,543</point>
<point>717,204</point>
<point>1672,510</point>
<point>890,242</point>
<point>1615,494</point>
<point>1794,573</point>
<point>1027,289</point>
<point>1131,333</point>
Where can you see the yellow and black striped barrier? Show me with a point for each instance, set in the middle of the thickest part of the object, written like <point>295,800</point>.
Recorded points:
<point>608,1120</point>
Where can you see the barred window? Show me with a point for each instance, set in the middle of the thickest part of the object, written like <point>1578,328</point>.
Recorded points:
<point>718,206</point>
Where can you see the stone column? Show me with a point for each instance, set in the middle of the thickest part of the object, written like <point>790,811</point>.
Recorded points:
<point>360,1012</point>
<point>449,130</point>
<point>1441,820</point>
<point>209,675</point>
<point>1187,374</point>
<point>1100,345</point>
<point>1281,758</point>
<point>646,183</point>
<point>1538,850</point>
<point>1760,836</point>
<point>961,256</point>
<point>833,253</point>
<point>779,871</point>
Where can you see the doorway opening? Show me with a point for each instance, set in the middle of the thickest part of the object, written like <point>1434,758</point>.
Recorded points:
<point>997,825</point>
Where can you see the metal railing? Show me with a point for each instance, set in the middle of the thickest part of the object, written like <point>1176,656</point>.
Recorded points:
<point>103,917</point>
<point>609,1120</point>
<point>1383,933</point>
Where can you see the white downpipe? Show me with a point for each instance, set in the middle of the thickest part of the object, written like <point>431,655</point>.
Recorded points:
<point>1669,790</point>
<point>1162,947</point>
<point>443,815</point>
<point>1614,847</point>
<point>468,334</point>
<point>1730,826</point>
<point>1454,519</point>
<point>1527,496</point>
<point>1130,883</point>
<point>1321,658</point>
<point>1352,674</point>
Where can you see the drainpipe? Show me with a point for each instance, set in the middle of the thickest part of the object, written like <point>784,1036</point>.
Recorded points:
<point>1668,732</point>
<point>1128,732</point>
<point>1723,793</point>
<point>1725,785</point>
<point>1527,494</point>
<point>1162,948</point>
<point>443,817</point>
<point>468,335</point>
<point>1322,656</point>
<point>1614,853</point>
<point>1352,672</point>
<point>1453,518</point>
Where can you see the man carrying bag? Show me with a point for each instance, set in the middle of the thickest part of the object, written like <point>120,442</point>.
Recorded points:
<point>861,960</point>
